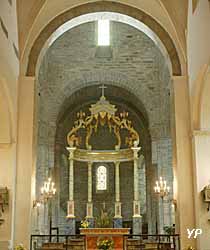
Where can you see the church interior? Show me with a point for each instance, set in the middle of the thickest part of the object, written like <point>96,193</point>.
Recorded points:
<point>104,125</point>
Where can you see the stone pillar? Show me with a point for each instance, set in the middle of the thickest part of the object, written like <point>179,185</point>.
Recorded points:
<point>201,141</point>
<point>137,223</point>
<point>182,161</point>
<point>89,213</point>
<point>70,209</point>
<point>118,216</point>
<point>25,173</point>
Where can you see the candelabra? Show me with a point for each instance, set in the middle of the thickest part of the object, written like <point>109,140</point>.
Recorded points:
<point>161,188</point>
<point>48,190</point>
<point>47,193</point>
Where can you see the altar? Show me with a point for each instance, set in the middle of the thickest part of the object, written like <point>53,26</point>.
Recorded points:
<point>125,149</point>
<point>92,235</point>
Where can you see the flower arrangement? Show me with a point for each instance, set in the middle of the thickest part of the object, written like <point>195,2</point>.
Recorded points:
<point>104,219</point>
<point>105,244</point>
<point>20,247</point>
<point>190,248</point>
<point>84,223</point>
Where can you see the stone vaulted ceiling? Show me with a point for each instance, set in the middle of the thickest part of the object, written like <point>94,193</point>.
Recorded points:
<point>29,10</point>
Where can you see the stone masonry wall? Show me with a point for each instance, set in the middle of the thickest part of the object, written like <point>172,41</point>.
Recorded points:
<point>103,139</point>
<point>133,62</point>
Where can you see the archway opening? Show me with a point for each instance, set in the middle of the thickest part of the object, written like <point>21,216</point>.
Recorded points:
<point>137,76</point>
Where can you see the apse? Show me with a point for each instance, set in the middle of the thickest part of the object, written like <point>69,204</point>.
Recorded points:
<point>137,80</point>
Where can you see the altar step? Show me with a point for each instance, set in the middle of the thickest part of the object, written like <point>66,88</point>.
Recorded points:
<point>134,244</point>
<point>73,244</point>
<point>53,246</point>
<point>155,246</point>
<point>76,244</point>
<point>79,244</point>
<point>151,246</point>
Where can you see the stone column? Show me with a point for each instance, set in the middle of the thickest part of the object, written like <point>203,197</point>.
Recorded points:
<point>137,225</point>
<point>183,170</point>
<point>70,209</point>
<point>118,216</point>
<point>89,213</point>
<point>24,194</point>
<point>201,143</point>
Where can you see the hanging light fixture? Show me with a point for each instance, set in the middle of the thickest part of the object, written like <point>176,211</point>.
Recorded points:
<point>161,188</point>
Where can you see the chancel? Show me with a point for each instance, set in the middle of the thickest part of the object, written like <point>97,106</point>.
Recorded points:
<point>104,124</point>
<point>103,114</point>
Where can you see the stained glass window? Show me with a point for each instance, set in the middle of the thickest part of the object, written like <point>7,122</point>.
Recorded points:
<point>101,178</point>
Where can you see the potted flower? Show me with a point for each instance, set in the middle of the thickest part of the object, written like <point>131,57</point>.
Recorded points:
<point>105,244</point>
<point>190,248</point>
<point>85,223</point>
<point>20,247</point>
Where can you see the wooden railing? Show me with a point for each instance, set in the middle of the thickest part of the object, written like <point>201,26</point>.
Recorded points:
<point>130,241</point>
<point>38,241</point>
<point>154,241</point>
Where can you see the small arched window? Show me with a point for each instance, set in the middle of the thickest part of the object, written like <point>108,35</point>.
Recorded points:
<point>101,176</point>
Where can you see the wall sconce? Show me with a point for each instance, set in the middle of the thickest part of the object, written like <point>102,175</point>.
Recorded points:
<point>174,203</point>
<point>206,196</point>
<point>4,198</point>
<point>37,203</point>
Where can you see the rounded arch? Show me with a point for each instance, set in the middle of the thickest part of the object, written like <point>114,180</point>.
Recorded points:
<point>90,94</point>
<point>83,93</point>
<point>84,97</point>
<point>101,177</point>
<point>197,92</point>
<point>200,100</point>
<point>112,16</point>
<point>205,103</point>
<point>102,6</point>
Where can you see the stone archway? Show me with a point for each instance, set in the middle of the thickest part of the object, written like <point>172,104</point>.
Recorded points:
<point>98,7</point>
<point>176,65</point>
<point>128,102</point>
<point>201,144</point>
<point>67,84</point>
<point>205,104</point>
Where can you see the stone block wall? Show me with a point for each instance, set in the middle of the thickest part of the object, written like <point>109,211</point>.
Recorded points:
<point>134,63</point>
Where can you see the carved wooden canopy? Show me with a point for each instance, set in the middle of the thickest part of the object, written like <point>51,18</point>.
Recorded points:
<point>102,113</point>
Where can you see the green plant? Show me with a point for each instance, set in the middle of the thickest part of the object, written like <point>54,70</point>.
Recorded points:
<point>105,244</point>
<point>85,223</point>
<point>168,229</point>
<point>104,219</point>
<point>20,247</point>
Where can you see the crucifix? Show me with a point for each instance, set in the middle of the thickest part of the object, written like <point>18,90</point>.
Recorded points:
<point>103,87</point>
